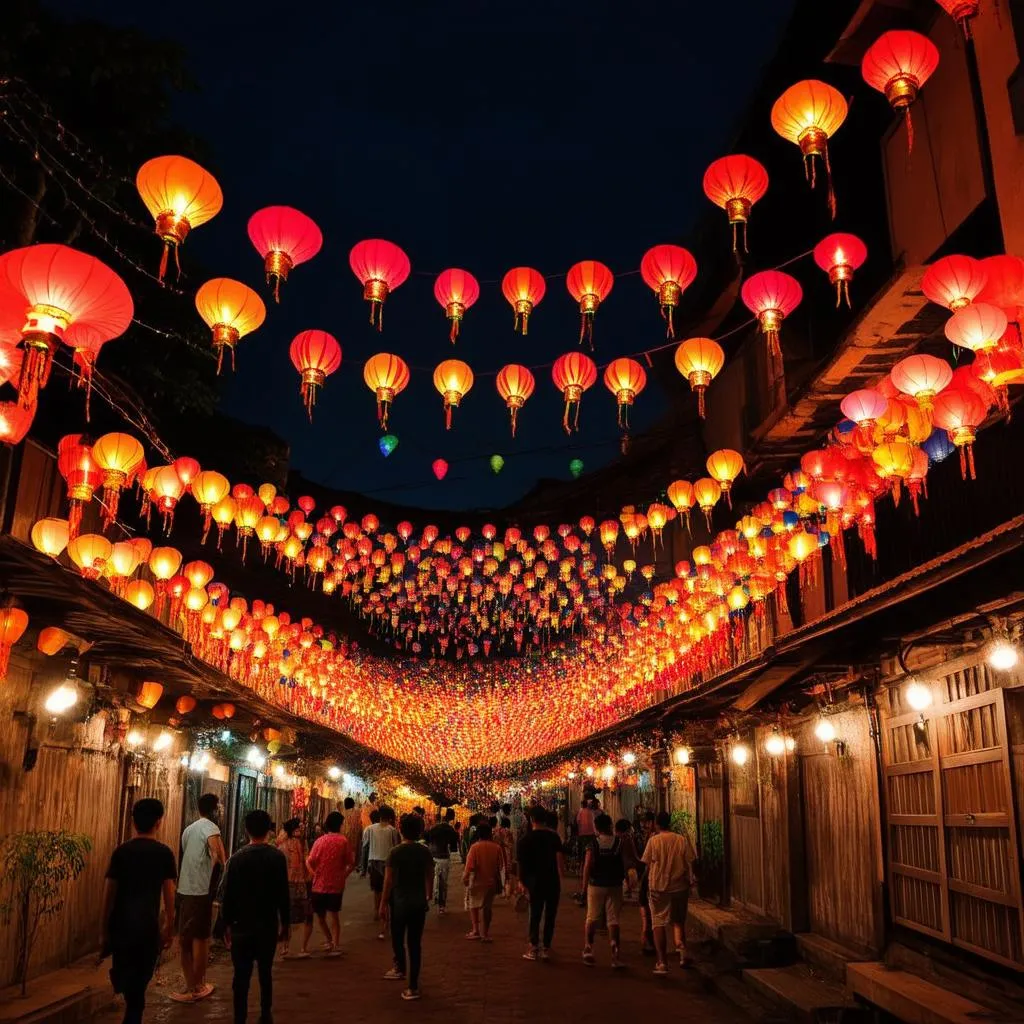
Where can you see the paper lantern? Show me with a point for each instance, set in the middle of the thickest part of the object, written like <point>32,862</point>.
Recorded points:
<point>963,11</point>
<point>808,114</point>
<point>894,462</point>
<point>11,359</point>
<point>589,283</point>
<point>954,281</point>
<point>452,379</point>
<point>15,421</point>
<point>231,310</point>
<point>440,468</point>
<point>208,488</point>
<point>185,704</point>
<point>140,593</point>
<point>223,711</point>
<point>706,493</point>
<point>51,641</point>
<point>118,456</point>
<point>456,290</point>
<point>386,375</point>
<point>680,493</point>
<point>180,196</point>
<point>922,377</point>
<point>897,64</point>
<point>699,360</point>
<point>284,237</point>
<point>723,467</point>
<point>90,551</point>
<point>187,469</point>
<point>148,694</point>
<point>80,472</point>
<point>523,287</point>
<point>316,355</point>
<point>960,412</point>
<point>60,287</point>
<point>575,468</point>
<point>572,374</point>
<point>771,296</point>
<point>13,623</point>
<point>839,255</point>
<point>515,384</point>
<point>625,379</point>
<point>863,406</point>
<point>1004,285</point>
<point>668,270</point>
<point>977,327</point>
<point>387,444</point>
<point>51,536</point>
<point>380,266</point>
<point>608,531</point>
<point>497,463</point>
<point>164,491</point>
<point>735,183</point>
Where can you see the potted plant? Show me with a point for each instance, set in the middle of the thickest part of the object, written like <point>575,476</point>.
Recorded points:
<point>36,867</point>
<point>709,865</point>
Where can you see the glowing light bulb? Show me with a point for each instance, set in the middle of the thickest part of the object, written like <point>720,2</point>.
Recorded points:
<point>918,696</point>
<point>1002,655</point>
<point>334,773</point>
<point>134,738</point>
<point>279,771</point>
<point>608,772</point>
<point>163,741</point>
<point>682,755</point>
<point>590,770</point>
<point>825,730</point>
<point>775,745</point>
<point>61,699</point>
<point>629,757</point>
<point>740,754</point>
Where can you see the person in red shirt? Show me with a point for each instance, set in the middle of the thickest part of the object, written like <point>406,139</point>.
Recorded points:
<point>330,862</point>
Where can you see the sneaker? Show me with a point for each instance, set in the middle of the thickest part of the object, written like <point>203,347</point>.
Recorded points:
<point>545,953</point>
<point>588,956</point>
<point>411,993</point>
<point>532,954</point>
<point>660,969</point>
<point>395,975</point>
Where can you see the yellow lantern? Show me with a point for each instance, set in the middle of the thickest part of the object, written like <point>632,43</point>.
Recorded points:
<point>724,466</point>
<point>453,378</point>
<point>50,536</point>
<point>139,593</point>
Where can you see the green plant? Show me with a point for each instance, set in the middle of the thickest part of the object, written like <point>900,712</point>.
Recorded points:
<point>712,844</point>
<point>36,867</point>
<point>685,824</point>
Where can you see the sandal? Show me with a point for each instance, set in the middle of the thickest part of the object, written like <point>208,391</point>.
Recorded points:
<point>411,993</point>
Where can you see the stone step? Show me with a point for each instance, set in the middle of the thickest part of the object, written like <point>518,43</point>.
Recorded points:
<point>802,994</point>
<point>829,957</point>
<point>729,986</point>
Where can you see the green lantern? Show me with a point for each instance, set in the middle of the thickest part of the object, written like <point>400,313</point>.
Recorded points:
<point>387,444</point>
<point>496,463</point>
<point>576,467</point>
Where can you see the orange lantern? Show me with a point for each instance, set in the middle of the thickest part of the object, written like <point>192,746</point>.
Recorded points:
<point>977,327</point>
<point>954,281</point>
<point>118,456</point>
<point>668,270</point>
<point>51,536</point>
<point>735,183</point>
<point>608,531</point>
<point>51,641</point>
<point>148,694</point>
<point>248,512</point>
<point>699,360</point>
<point>316,355</point>
<point>90,551</point>
<point>165,490</point>
<point>381,266</point>
<point>198,573</point>
<point>15,421</point>
<point>456,290</point>
<point>386,375</point>
<point>897,64</point>
<point>523,287</point>
<point>208,488</point>
<point>180,196</point>
<point>231,310</point>
<point>960,411</point>
<point>589,283</point>
<point>839,255</point>
<point>808,114</point>
<point>140,593</point>
<point>515,384</point>
<point>724,466</point>
<point>706,493</point>
<point>922,377</point>
<point>680,493</point>
<point>452,379</point>
<point>13,623</point>
<point>572,374</point>
<point>625,379</point>
<point>185,705</point>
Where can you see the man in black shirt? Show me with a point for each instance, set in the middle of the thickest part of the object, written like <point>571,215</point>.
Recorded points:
<point>442,839</point>
<point>255,906</point>
<point>541,866</point>
<point>141,871</point>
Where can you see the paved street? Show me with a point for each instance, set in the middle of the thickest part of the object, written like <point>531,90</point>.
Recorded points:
<point>463,982</point>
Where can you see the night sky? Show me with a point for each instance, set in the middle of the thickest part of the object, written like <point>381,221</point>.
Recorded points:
<point>479,135</point>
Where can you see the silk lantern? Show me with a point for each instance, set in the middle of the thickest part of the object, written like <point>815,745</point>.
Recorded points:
<point>386,375</point>
<point>897,64</point>
<point>922,377</point>
<point>839,255</point>
<point>589,283</point>
<point>118,456</point>
<point>699,360</point>
<point>771,296</point>
<point>316,355</point>
<point>231,310</point>
<point>954,281</point>
<point>735,183</point>
<point>573,373</point>
<point>284,237</point>
<point>515,384</point>
<point>456,290</point>
<point>523,287</point>
<point>960,412</point>
<point>625,379</point>
<point>13,623</point>
<point>381,266</point>
<point>668,270</point>
<point>452,379</point>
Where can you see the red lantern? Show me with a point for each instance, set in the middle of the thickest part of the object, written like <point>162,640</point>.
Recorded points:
<point>960,411</point>
<point>381,267</point>
<point>922,377</point>
<point>954,281</point>
<point>839,255</point>
<point>668,270</point>
<point>284,237</point>
<point>440,468</point>
<point>735,183</point>
<point>897,64</point>
<point>1004,285</point>
<point>15,420</point>
<point>456,290</point>
<point>523,287</point>
<point>771,296</point>
<point>962,11</point>
<point>515,384</point>
<point>977,327</point>
<point>625,379</point>
<point>81,474</point>
<point>13,623</point>
<point>60,287</point>
<point>572,374</point>
<point>316,355</point>
<point>589,283</point>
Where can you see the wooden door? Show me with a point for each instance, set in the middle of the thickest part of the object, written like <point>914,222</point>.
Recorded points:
<point>745,862</point>
<point>954,868</point>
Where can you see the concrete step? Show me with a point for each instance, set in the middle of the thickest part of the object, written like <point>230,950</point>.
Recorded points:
<point>729,986</point>
<point>829,957</point>
<point>801,993</point>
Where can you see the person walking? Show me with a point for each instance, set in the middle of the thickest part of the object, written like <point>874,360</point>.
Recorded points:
<point>330,862</point>
<point>603,874</point>
<point>482,877</point>
<point>541,867</point>
<point>139,878</point>
<point>364,846</point>
<point>202,859</point>
<point>669,858</point>
<point>381,838</point>
<point>503,837</point>
<point>405,900</point>
<point>442,841</point>
<point>255,908</point>
<point>352,828</point>
<point>300,885</point>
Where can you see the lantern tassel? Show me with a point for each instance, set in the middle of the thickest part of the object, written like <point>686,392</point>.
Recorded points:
<point>831,188</point>
<point>565,418</point>
<point>700,402</point>
<point>453,333</point>
<point>162,272</point>
<point>277,287</point>
<point>514,411</point>
<point>447,417</point>
<point>74,518</point>
<point>909,122</point>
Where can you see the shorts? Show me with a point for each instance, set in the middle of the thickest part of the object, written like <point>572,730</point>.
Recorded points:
<point>195,917</point>
<point>377,876</point>
<point>669,908</point>
<point>326,902</point>
<point>604,903</point>
<point>300,902</point>
<point>480,897</point>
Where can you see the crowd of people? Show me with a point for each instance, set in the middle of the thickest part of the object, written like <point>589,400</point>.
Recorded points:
<point>279,880</point>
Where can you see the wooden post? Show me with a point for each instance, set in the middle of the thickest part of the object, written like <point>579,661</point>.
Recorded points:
<point>726,852</point>
<point>796,912</point>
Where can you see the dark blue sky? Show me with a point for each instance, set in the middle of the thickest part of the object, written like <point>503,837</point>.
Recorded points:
<point>480,135</point>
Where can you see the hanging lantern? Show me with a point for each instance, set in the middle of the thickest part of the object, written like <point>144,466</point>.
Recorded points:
<point>897,64</point>
<point>51,536</point>
<point>808,114</point>
<point>575,468</point>
<point>231,310</point>
<point>452,380</point>
<point>723,467</point>
<point>148,694</point>
<point>118,456</point>
<point>699,360</point>
<point>864,408</point>
<point>572,374</point>
<point>894,462</point>
<point>165,491</point>
<point>86,342</point>
<point>962,11</point>
<point>625,379</point>
<point>497,464</point>
<point>440,468</point>
<point>977,327</point>
<point>316,355</point>
<point>380,266</point>
<point>735,183</point>
<point>386,375</point>
<point>515,384</point>
<point>680,493</point>
<point>960,411</point>
<point>706,493</point>
<point>90,551</point>
<point>589,283</point>
<point>668,270</point>
<point>11,358</point>
<point>60,287</point>
<point>184,705</point>
<point>140,594</point>
<point>523,287</point>
<point>51,641</point>
<point>456,290</point>
<point>922,377</point>
<point>954,281</point>
<point>387,444</point>
<point>208,488</point>
<point>13,623</point>
<point>1004,285</point>
<point>180,196</point>
<point>284,237</point>
<point>771,296</point>
<point>608,531</point>
<point>839,255</point>
<point>15,421</point>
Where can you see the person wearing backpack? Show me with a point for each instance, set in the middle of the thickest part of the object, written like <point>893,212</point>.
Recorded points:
<point>604,871</point>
